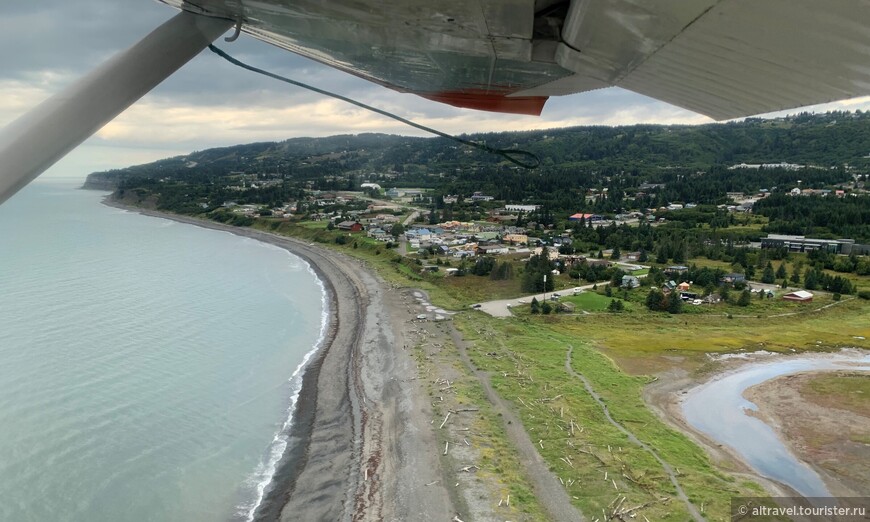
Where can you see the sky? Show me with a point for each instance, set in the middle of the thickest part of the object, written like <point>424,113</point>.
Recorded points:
<point>46,44</point>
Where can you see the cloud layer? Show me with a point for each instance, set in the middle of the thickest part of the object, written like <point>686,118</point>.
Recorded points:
<point>46,45</point>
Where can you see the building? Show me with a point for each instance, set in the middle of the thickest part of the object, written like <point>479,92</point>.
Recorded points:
<point>516,239</point>
<point>480,196</point>
<point>521,208</point>
<point>629,281</point>
<point>590,218</point>
<point>805,244</point>
<point>492,249</point>
<point>801,296</point>
<point>350,226</point>
<point>734,278</point>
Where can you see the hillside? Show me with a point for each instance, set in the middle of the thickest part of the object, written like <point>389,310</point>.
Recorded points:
<point>648,152</point>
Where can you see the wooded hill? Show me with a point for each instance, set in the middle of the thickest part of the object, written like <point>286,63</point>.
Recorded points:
<point>571,157</point>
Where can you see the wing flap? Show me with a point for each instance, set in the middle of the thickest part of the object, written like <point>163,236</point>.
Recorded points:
<point>748,57</point>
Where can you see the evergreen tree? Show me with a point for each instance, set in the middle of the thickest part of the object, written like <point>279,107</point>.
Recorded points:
<point>654,300</point>
<point>536,307</point>
<point>781,272</point>
<point>546,308</point>
<point>745,298</point>
<point>768,277</point>
<point>811,281</point>
<point>675,303</point>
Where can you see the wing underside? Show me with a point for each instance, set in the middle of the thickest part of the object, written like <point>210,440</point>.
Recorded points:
<point>725,58</point>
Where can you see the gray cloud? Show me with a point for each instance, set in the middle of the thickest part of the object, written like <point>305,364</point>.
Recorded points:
<point>45,44</point>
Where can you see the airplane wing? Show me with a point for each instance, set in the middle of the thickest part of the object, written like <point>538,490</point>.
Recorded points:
<point>721,58</point>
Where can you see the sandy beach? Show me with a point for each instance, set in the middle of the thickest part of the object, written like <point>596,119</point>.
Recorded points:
<point>362,443</point>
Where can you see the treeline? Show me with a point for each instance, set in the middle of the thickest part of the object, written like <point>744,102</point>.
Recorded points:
<point>815,216</point>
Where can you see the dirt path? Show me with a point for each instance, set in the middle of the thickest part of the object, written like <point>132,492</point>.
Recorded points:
<point>548,490</point>
<point>665,466</point>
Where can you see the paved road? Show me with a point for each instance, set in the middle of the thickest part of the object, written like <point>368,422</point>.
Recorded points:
<point>502,307</point>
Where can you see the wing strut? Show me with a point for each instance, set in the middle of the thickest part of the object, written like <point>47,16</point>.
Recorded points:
<point>48,132</point>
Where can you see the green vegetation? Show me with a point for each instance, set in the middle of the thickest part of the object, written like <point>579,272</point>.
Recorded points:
<point>847,391</point>
<point>576,439</point>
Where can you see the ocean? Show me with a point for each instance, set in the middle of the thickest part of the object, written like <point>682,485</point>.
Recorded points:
<point>147,368</point>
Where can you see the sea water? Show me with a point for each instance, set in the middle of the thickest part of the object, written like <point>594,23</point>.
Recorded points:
<point>147,367</point>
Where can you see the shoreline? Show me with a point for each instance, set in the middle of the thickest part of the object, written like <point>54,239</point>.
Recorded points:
<point>345,457</point>
<point>666,396</point>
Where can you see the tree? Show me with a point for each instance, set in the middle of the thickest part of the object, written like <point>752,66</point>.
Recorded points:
<point>502,272</point>
<point>536,307</point>
<point>811,280</point>
<point>675,303</point>
<point>546,308</point>
<point>397,230</point>
<point>767,276</point>
<point>616,254</point>
<point>784,283</point>
<point>330,226</point>
<point>654,300</point>
<point>615,306</point>
<point>781,272</point>
<point>745,298</point>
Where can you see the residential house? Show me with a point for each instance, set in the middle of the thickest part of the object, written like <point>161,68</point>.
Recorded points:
<point>350,226</point>
<point>733,278</point>
<point>801,296</point>
<point>630,281</point>
<point>492,249</point>
<point>516,239</point>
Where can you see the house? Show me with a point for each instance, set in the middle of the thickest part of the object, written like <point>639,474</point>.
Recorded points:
<point>492,249</point>
<point>350,226</point>
<point>590,218</point>
<point>676,269</point>
<point>629,281</point>
<point>683,287</point>
<point>801,296</point>
<point>375,233</point>
<point>668,287</point>
<point>516,239</point>
<point>733,278</point>
<point>418,234</point>
<point>521,208</point>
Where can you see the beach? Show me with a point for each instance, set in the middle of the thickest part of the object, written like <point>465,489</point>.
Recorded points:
<point>361,446</point>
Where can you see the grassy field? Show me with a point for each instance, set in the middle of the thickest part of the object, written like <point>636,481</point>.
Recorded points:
<point>575,439</point>
<point>843,391</point>
<point>592,302</point>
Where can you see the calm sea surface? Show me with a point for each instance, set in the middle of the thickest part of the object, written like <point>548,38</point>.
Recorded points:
<point>146,367</point>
